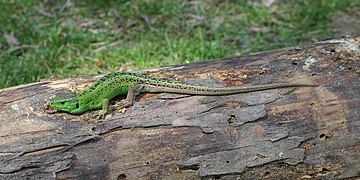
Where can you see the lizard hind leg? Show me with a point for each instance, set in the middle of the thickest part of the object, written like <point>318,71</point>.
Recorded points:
<point>132,93</point>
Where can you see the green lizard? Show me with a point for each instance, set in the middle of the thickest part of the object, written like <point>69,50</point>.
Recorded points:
<point>97,96</point>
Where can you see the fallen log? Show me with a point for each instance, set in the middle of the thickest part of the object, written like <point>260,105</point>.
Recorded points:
<point>308,132</point>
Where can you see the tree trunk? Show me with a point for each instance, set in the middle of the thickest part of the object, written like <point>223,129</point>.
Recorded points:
<point>307,132</point>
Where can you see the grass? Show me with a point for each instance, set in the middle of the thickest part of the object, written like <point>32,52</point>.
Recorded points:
<point>71,38</point>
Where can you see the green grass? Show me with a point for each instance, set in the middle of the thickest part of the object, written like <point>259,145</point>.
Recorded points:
<point>88,38</point>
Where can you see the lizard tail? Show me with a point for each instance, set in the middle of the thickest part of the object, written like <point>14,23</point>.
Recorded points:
<point>203,90</point>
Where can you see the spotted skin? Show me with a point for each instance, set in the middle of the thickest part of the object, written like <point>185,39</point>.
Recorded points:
<point>97,96</point>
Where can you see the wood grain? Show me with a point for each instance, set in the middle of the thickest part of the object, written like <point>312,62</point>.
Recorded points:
<point>311,132</point>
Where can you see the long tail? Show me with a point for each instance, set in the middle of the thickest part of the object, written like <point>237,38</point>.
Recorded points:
<point>202,90</point>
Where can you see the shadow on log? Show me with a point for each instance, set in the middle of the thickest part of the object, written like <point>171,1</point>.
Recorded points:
<point>310,132</point>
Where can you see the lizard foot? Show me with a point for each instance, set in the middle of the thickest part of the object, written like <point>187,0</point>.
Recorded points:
<point>123,104</point>
<point>100,115</point>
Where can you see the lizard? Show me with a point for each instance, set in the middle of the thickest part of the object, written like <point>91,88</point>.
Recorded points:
<point>97,95</point>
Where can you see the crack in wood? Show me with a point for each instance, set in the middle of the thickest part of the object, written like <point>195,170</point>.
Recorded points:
<point>56,161</point>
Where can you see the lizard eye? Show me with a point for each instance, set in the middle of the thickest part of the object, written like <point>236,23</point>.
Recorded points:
<point>62,103</point>
<point>77,105</point>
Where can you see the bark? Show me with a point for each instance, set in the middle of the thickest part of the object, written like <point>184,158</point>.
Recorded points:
<point>308,132</point>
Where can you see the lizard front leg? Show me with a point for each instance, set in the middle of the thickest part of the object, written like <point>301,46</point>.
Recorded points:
<point>104,108</point>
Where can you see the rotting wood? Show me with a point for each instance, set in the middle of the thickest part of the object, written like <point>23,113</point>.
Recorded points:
<point>282,133</point>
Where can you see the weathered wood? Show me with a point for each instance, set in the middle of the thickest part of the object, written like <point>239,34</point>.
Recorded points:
<point>311,132</point>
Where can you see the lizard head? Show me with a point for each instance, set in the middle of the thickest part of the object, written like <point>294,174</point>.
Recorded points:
<point>65,102</point>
